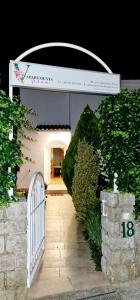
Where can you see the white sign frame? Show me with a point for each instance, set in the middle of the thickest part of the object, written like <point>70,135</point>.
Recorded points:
<point>39,76</point>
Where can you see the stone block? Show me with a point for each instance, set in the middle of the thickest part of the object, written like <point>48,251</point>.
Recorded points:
<point>118,274</point>
<point>103,264</point>
<point>16,278</point>
<point>110,199</point>
<point>3,228</point>
<point>1,244</point>
<point>112,258</point>
<point>1,213</point>
<point>132,271</point>
<point>128,256</point>
<point>1,280</point>
<point>11,243</point>
<point>7,294</point>
<point>137,234</point>
<point>104,236</point>
<point>105,250</point>
<point>126,200</point>
<point>138,269</point>
<point>115,258</point>
<point>21,293</point>
<point>16,210</point>
<point>21,242</point>
<point>21,259</point>
<point>7,262</point>
<point>2,295</point>
<point>120,243</point>
<point>114,214</point>
<point>17,226</point>
<point>111,228</point>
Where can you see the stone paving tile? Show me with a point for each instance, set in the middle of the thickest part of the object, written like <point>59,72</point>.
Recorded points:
<point>66,264</point>
<point>48,273</point>
<point>49,287</point>
<point>52,253</point>
<point>54,245</point>
<point>75,252</point>
<point>129,290</point>
<point>74,245</point>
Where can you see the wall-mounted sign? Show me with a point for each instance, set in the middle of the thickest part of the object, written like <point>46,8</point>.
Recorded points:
<point>39,76</point>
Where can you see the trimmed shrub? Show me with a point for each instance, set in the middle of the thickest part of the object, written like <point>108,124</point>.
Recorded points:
<point>87,128</point>
<point>85,179</point>
<point>87,206</point>
<point>92,231</point>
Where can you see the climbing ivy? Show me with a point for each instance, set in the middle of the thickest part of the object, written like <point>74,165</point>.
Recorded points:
<point>13,116</point>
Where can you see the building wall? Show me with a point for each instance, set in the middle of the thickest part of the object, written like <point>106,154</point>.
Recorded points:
<point>130,84</point>
<point>62,107</point>
<point>50,107</point>
<point>39,151</point>
<point>77,104</point>
<point>54,108</point>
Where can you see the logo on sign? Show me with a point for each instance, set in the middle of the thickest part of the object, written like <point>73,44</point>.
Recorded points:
<point>20,75</point>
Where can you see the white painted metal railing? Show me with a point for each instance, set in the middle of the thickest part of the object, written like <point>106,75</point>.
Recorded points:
<point>36,223</point>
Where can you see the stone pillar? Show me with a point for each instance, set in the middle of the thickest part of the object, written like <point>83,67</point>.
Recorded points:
<point>137,246</point>
<point>13,251</point>
<point>118,245</point>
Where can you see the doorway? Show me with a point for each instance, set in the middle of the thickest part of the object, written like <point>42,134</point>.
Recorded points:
<point>57,156</point>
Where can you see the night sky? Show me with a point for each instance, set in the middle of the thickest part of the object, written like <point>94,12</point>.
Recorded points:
<point>115,39</point>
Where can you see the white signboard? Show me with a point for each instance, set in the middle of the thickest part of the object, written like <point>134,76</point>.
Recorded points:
<point>39,76</point>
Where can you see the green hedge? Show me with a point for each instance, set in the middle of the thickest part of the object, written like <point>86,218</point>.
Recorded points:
<point>87,128</point>
<point>92,231</point>
<point>87,206</point>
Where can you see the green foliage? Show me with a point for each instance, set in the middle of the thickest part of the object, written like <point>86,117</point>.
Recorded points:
<point>120,140</point>
<point>84,189</point>
<point>87,128</point>
<point>12,116</point>
<point>85,179</point>
<point>92,230</point>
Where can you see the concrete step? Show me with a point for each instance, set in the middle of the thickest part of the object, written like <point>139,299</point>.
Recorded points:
<point>79,294</point>
<point>56,192</point>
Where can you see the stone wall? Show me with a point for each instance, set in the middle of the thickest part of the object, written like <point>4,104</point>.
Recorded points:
<point>13,251</point>
<point>118,237</point>
<point>137,246</point>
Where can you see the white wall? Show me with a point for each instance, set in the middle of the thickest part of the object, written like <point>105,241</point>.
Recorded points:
<point>54,139</point>
<point>130,84</point>
<point>54,108</point>
<point>39,151</point>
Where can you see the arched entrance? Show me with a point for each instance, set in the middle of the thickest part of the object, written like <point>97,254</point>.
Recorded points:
<point>54,152</point>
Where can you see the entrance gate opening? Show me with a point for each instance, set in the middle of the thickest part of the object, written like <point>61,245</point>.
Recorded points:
<point>28,75</point>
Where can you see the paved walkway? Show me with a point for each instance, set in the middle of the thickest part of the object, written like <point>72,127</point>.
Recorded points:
<point>67,265</point>
<point>56,187</point>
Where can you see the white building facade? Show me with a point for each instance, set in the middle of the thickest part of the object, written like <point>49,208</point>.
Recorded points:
<point>59,113</point>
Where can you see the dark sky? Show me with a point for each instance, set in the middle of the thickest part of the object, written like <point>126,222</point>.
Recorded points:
<point>114,38</point>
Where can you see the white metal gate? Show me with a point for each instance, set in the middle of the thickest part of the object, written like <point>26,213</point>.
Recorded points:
<point>36,223</point>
